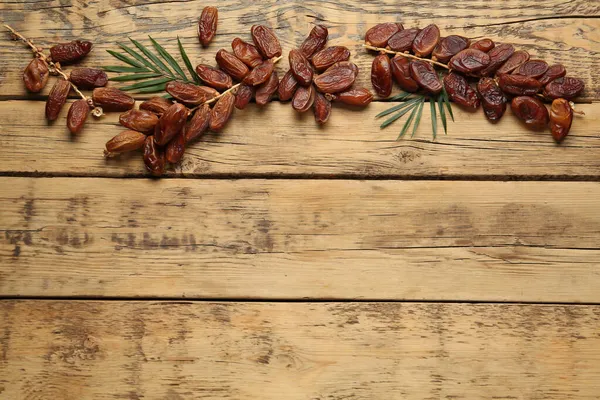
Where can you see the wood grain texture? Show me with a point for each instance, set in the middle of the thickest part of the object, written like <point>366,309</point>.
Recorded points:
<point>352,145</point>
<point>269,239</point>
<point>557,31</point>
<point>183,350</point>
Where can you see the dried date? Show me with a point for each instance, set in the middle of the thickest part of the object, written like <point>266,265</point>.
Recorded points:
<point>214,77</point>
<point>175,149</point>
<point>111,99</point>
<point>170,123</point>
<point>401,73</point>
<point>57,98</point>
<point>380,34</point>
<point>154,157</point>
<point>265,41</point>
<point>66,53</point>
<point>493,99</point>
<point>303,98</point>
<point>300,67</point>
<point>566,88</point>
<point>198,124</point>
<point>469,61</point>
<point>460,91</point>
<point>125,141</point>
<point>498,56</point>
<point>403,41</point>
<point>77,115</point>
<point>321,108</point>
<point>381,75</point>
<point>337,78</point>
<point>260,74</point>
<point>519,85</point>
<point>287,86</point>
<point>360,97</point>
<point>316,40</point>
<point>518,58</point>
<point>554,72</point>
<point>531,111</point>
<point>532,68</point>
<point>329,56</point>
<point>157,105</point>
<point>189,93</point>
<point>207,25</point>
<point>246,52</point>
<point>243,96</point>
<point>264,93</point>
<point>139,120</point>
<point>449,47</point>
<point>232,65</point>
<point>426,40</point>
<point>36,75</point>
<point>424,74</point>
<point>88,78</point>
<point>484,45</point>
<point>221,112</point>
<point>561,117</point>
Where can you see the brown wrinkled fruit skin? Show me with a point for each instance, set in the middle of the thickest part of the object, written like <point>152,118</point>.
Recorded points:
<point>175,149</point>
<point>401,73</point>
<point>566,88</point>
<point>329,56</point>
<point>519,57</point>
<point>170,123</point>
<point>246,52</point>
<point>191,94</point>
<point>88,78</point>
<point>345,64</point>
<point>243,96</point>
<point>287,86</point>
<point>321,108</point>
<point>498,56</point>
<point>214,77</point>
<point>360,97</point>
<point>198,124</point>
<point>426,40</point>
<point>518,85</point>
<point>554,72</point>
<point>316,40</point>
<point>303,98</point>
<point>260,74</point>
<point>264,93</point>
<point>381,75</point>
<point>561,117</point>
<point>531,111</point>
<point>532,68</point>
<point>300,67</point>
<point>484,45</point>
<point>66,53</point>
<point>139,120</point>
<point>35,75</point>
<point>403,40</point>
<point>126,141</point>
<point>232,65</point>
<point>57,98</point>
<point>221,112</point>
<point>265,41</point>
<point>460,91</point>
<point>154,157</point>
<point>380,34</point>
<point>337,78</point>
<point>111,99</point>
<point>493,99</point>
<point>469,61</point>
<point>450,46</point>
<point>157,105</point>
<point>424,74</point>
<point>207,25</point>
<point>77,115</point>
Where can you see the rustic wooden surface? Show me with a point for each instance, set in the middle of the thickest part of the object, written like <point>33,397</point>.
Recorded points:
<point>286,224</point>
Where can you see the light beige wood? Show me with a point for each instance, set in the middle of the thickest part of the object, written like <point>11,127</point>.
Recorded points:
<point>277,141</point>
<point>290,239</point>
<point>554,30</point>
<point>181,350</point>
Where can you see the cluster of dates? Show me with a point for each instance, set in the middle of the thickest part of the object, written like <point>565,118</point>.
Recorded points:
<point>319,75</point>
<point>502,74</point>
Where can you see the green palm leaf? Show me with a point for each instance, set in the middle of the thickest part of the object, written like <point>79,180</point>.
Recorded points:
<point>161,65</point>
<point>397,107</point>
<point>440,103</point>
<point>119,69</point>
<point>147,84</point>
<point>397,116</point>
<point>447,102</point>
<point>168,58</point>
<point>187,62</point>
<point>138,57</point>
<point>153,89</point>
<point>134,77</point>
<point>433,117</point>
<point>125,59</point>
<point>408,122</point>
<point>418,119</point>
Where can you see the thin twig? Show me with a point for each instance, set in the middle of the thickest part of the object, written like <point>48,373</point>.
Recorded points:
<point>368,46</point>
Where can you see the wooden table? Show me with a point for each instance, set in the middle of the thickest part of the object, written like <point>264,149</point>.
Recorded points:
<point>286,261</point>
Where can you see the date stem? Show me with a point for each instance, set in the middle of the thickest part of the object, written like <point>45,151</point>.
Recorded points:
<point>439,64</point>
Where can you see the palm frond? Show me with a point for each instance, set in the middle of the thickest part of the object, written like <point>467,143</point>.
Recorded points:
<point>440,102</point>
<point>393,119</point>
<point>167,57</point>
<point>187,62</point>
<point>418,119</point>
<point>433,117</point>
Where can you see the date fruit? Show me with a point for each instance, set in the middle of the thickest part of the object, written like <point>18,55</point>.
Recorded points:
<point>303,98</point>
<point>337,78</point>
<point>125,141</point>
<point>493,99</point>
<point>78,113</point>
<point>469,61</point>
<point>154,157</point>
<point>260,74</point>
<point>232,65</point>
<point>170,123</point>
<point>36,75</point>
<point>329,56</point>
<point>424,74</point>
<point>66,53</point>
<point>57,98</point>
<point>300,67</point>
<point>561,117</point>
<point>554,72</point>
<point>246,52</point>
<point>403,40</point>
<point>198,124</point>
<point>518,58</point>
<point>519,85</point>
<point>566,88</point>
<point>207,25</point>
<point>484,45</point>
<point>316,40</point>
<point>532,68</point>
<point>139,120</point>
<point>264,93</point>
<point>460,91</point>
<point>221,112</point>
<point>401,73</point>
<point>360,97</point>
<point>381,75</point>
<point>157,105</point>
<point>111,99</point>
<point>214,77</point>
<point>321,108</point>
<point>449,47</point>
<point>346,64</point>
<point>531,111</point>
<point>243,96</point>
<point>265,41</point>
<point>88,78</point>
<point>189,93</point>
<point>426,40</point>
<point>287,86</point>
<point>380,34</point>
<point>498,56</point>
<point>175,149</point>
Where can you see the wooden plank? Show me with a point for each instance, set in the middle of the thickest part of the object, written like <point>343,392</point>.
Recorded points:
<point>174,350</point>
<point>553,30</point>
<point>289,239</point>
<point>352,145</point>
